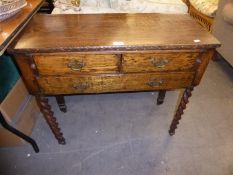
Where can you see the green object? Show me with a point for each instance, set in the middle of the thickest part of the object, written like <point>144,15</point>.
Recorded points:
<point>8,76</point>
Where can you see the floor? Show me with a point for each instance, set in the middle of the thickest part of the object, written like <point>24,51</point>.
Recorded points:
<point>126,134</point>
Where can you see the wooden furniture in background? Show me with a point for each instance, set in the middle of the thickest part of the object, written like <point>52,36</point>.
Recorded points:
<point>11,27</point>
<point>79,54</point>
<point>202,19</point>
<point>47,7</point>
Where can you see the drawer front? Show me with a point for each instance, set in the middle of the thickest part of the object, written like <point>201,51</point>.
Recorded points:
<point>78,63</point>
<point>114,83</point>
<point>159,62</point>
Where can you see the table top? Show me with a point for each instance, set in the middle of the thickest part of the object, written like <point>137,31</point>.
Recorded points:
<point>113,32</point>
<point>12,26</point>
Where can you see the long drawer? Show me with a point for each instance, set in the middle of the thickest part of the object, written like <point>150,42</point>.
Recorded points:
<point>76,64</point>
<point>114,83</point>
<point>177,61</point>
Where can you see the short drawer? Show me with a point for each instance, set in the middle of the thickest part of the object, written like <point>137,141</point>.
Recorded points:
<point>159,62</point>
<point>114,83</point>
<point>77,63</point>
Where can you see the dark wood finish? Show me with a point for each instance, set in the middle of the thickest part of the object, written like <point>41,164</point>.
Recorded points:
<point>47,7</point>
<point>180,110</point>
<point>27,72</point>
<point>202,63</point>
<point>115,32</point>
<point>161,97</point>
<point>12,26</point>
<point>45,108</point>
<point>216,57</point>
<point>61,103</point>
<point>78,54</point>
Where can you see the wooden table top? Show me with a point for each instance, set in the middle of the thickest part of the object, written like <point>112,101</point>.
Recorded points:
<point>12,26</point>
<point>113,32</point>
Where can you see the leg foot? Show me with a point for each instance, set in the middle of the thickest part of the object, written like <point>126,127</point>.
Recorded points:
<point>45,108</point>
<point>171,133</point>
<point>61,103</point>
<point>216,57</point>
<point>62,142</point>
<point>180,110</point>
<point>161,97</point>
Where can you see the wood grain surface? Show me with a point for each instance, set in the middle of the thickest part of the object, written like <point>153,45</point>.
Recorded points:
<point>114,82</point>
<point>27,73</point>
<point>76,64</point>
<point>159,62</point>
<point>12,26</point>
<point>111,32</point>
<point>203,63</point>
<point>101,53</point>
<point>77,54</point>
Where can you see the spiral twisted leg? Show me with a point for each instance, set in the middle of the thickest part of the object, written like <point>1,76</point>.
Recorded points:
<point>161,97</point>
<point>45,108</point>
<point>180,110</point>
<point>61,103</point>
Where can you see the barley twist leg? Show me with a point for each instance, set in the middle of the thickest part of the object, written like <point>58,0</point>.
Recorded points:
<point>180,110</point>
<point>48,114</point>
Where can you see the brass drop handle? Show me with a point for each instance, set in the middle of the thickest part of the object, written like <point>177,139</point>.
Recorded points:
<point>159,63</point>
<point>153,83</point>
<point>81,86</point>
<point>76,65</point>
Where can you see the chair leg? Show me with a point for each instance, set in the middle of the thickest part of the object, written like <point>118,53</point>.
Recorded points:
<point>161,97</point>
<point>61,103</point>
<point>18,133</point>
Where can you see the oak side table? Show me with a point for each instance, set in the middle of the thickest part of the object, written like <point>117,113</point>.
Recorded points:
<point>102,53</point>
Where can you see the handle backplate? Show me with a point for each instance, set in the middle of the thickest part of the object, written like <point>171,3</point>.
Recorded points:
<point>81,86</point>
<point>159,63</point>
<point>153,83</point>
<point>76,65</point>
